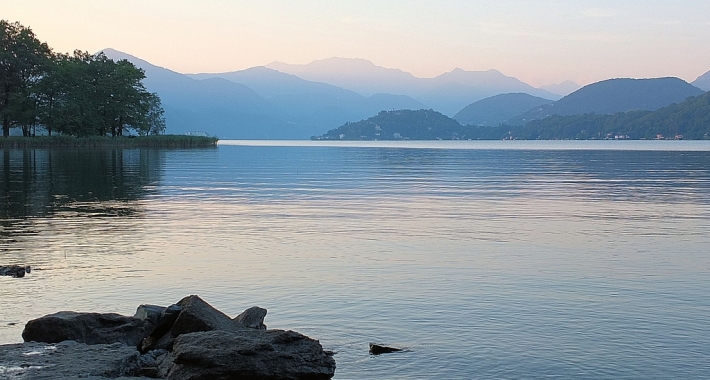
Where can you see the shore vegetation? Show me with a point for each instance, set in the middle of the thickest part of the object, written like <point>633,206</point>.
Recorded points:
<point>152,141</point>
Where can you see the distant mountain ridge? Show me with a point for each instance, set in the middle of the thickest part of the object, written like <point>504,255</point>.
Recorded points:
<point>563,89</point>
<point>703,82</point>
<point>447,93</point>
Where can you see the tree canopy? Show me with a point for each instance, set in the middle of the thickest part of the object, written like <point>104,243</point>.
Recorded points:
<point>77,94</point>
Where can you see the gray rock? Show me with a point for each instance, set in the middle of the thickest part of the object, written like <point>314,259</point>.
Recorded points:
<point>247,354</point>
<point>190,314</point>
<point>150,313</point>
<point>197,315</point>
<point>68,360</point>
<point>252,318</point>
<point>89,328</point>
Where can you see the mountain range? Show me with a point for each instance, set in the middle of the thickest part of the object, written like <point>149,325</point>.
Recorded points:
<point>447,93</point>
<point>282,101</point>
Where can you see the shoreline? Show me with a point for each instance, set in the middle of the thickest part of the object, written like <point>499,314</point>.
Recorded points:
<point>161,141</point>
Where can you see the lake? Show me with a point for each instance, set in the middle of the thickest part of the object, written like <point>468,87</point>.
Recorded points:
<point>487,260</point>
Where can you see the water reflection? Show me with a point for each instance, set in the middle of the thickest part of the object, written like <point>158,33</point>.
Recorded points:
<point>97,182</point>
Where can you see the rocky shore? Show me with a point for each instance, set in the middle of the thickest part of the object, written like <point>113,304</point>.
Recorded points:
<point>189,340</point>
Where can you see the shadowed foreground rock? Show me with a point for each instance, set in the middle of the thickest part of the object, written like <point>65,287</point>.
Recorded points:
<point>40,361</point>
<point>189,340</point>
<point>89,328</point>
<point>248,354</point>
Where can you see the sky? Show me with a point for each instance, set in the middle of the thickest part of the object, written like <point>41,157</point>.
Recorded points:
<point>540,42</point>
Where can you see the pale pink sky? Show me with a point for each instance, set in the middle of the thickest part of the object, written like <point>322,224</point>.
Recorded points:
<point>540,42</point>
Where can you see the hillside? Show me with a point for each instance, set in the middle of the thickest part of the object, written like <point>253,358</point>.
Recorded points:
<point>615,95</point>
<point>703,82</point>
<point>689,119</point>
<point>215,106</point>
<point>498,109</point>
<point>399,125</point>
<point>304,102</point>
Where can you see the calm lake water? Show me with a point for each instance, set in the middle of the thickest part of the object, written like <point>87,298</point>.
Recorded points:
<point>515,260</point>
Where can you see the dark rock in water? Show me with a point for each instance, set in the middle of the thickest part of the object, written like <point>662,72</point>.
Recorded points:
<point>247,354</point>
<point>15,270</point>
<point>68,360</point>
<point>252,318</point>
<point>376,349</point>
<point>89,328</point>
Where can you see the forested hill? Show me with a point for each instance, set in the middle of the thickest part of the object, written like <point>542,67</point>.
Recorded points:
<point>400,125</point>
<point>688,120</point>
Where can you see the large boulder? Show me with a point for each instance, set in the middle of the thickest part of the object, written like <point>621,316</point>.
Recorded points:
<point>197,315</point>
<point>247,354</point>
<point>68,360</point>
<point>89,328</point>
<point>190,314</point>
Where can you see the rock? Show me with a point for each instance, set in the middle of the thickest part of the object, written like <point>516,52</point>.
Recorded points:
<point>150,313</point>
<point>376,349</point>
<point>15,270</point>
<point>197,315</point>
<point>165,323</point>
<point>252,318</point>
<point>192,314</point>
<point>247,354</point>
<point>68,360</point>
<point>89,328</point>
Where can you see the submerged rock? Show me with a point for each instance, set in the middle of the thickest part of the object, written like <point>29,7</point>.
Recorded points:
<point>377,349</point>
<point>88,328</point>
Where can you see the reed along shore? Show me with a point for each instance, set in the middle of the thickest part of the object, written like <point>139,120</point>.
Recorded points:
<point>160,141</point>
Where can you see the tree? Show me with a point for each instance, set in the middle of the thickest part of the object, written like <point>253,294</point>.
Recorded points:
<point>81,94</point>
<point>23,60</point>
<point>153,122</point>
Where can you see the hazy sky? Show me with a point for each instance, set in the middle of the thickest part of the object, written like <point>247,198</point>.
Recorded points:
<point>541,41</point>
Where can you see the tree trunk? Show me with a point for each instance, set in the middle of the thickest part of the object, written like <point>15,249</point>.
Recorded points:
<point>5,127</point>
<point>5,119</point>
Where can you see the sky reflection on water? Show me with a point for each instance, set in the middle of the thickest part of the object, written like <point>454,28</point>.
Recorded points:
<point>485,263</point>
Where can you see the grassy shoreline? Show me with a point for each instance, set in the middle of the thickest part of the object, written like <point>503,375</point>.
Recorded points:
<point>161,141</point>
